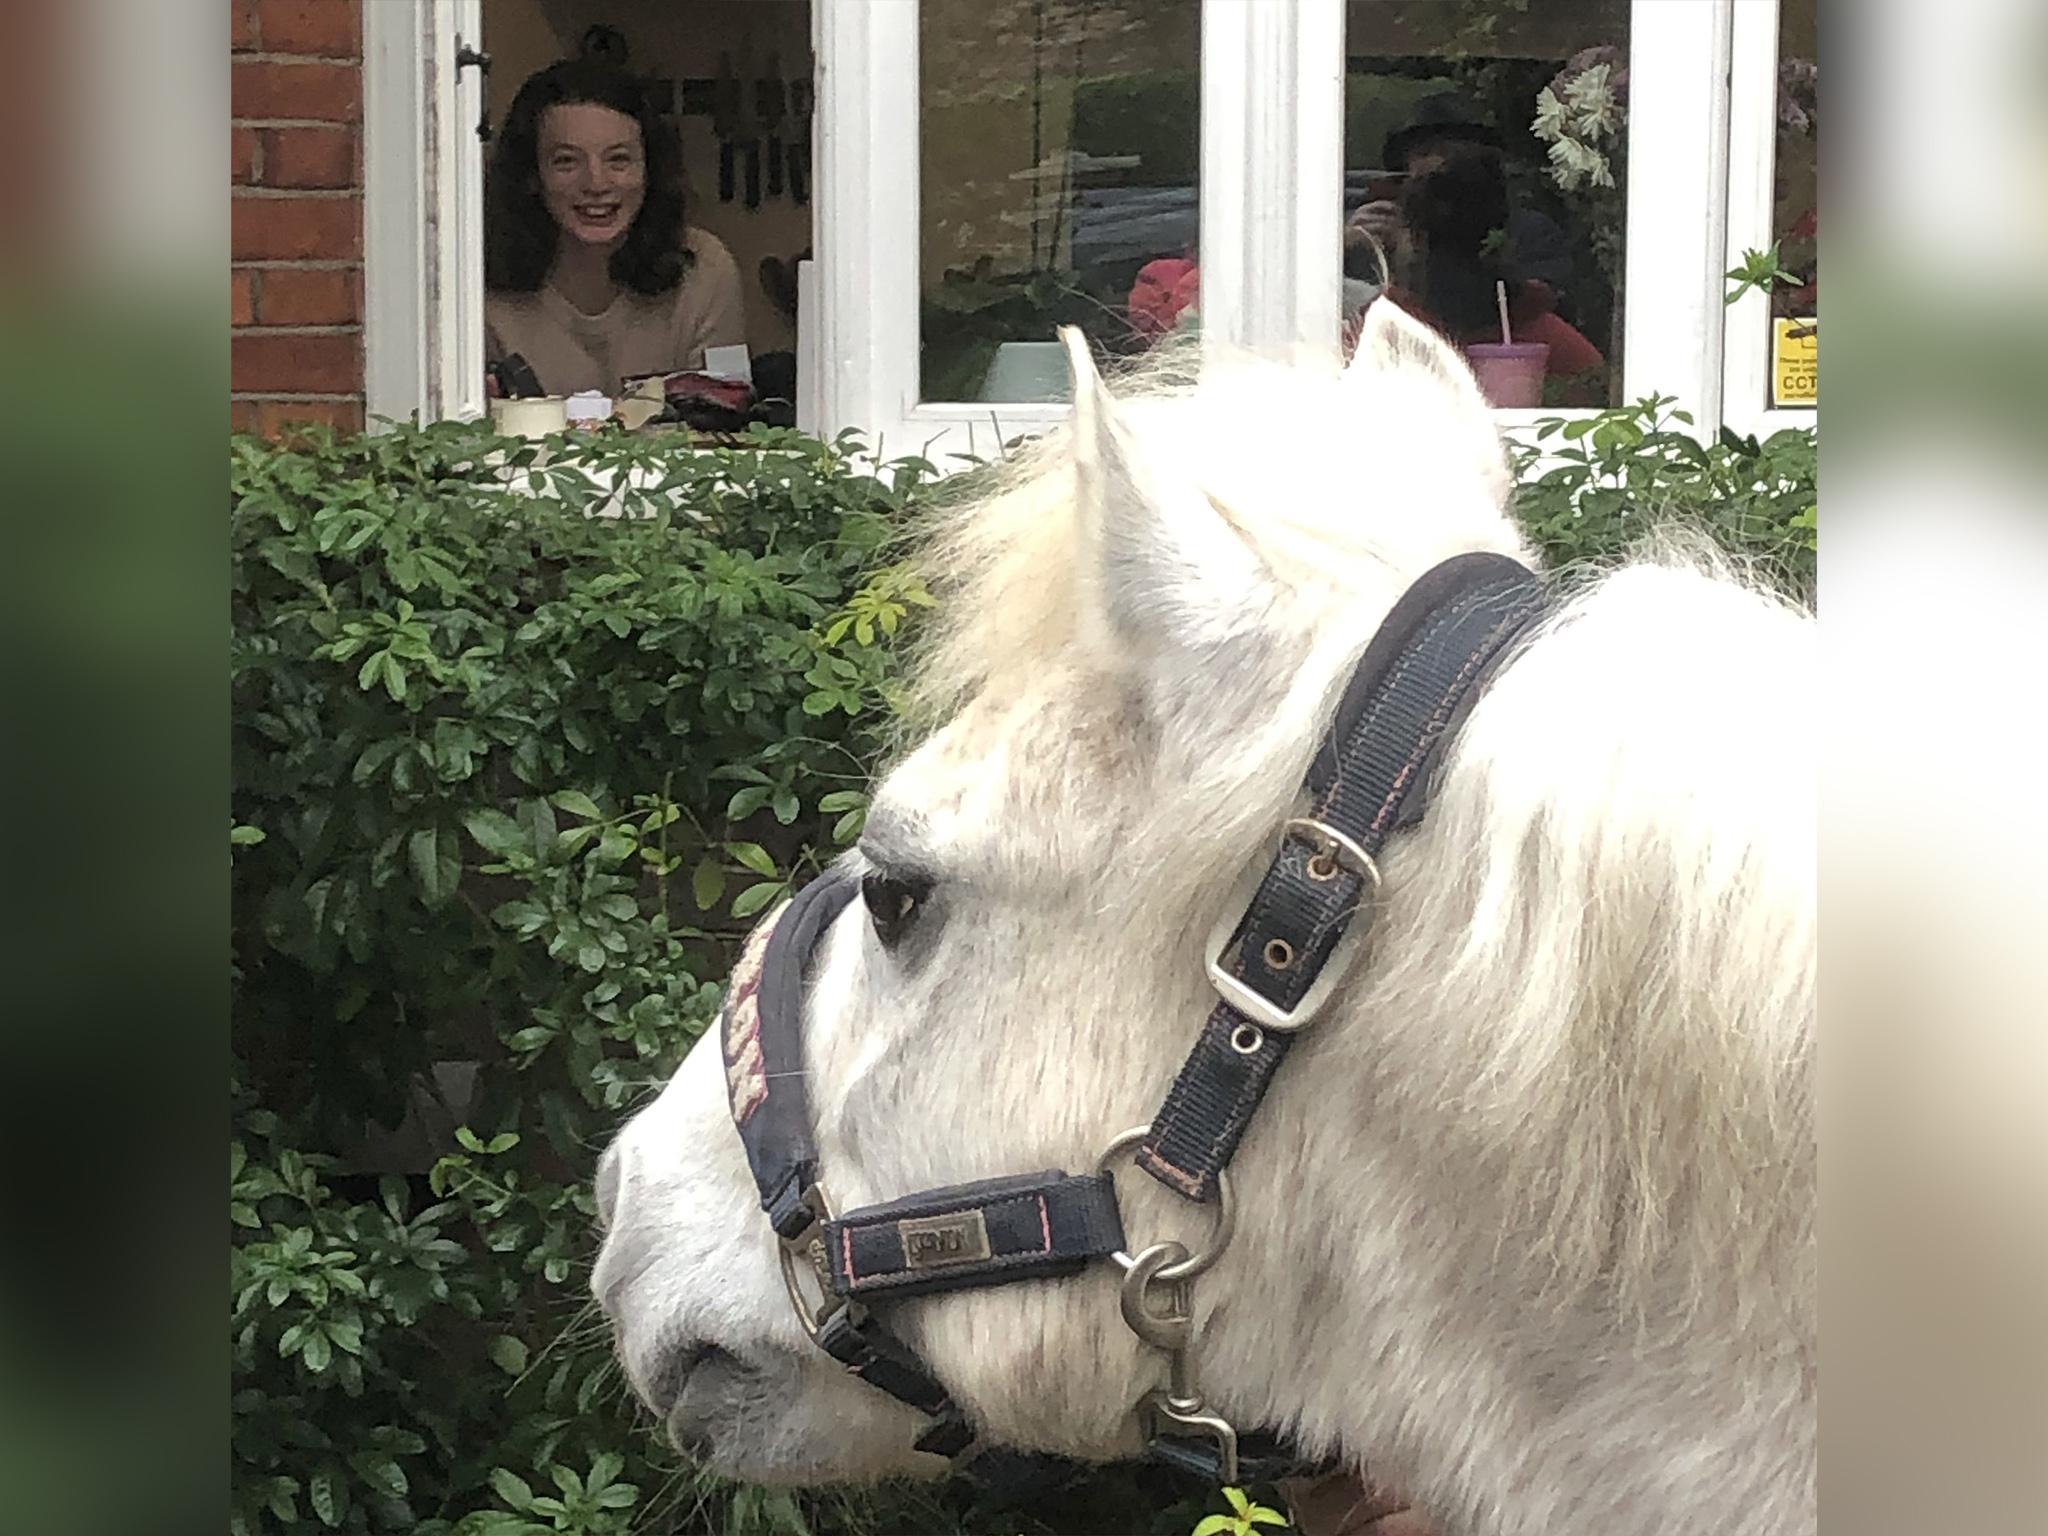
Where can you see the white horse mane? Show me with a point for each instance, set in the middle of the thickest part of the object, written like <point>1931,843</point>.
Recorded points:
<point>1648,919</point>
<point>1527,1220</point>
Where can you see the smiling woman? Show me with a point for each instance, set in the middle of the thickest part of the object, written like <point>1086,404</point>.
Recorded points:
<point>592,274</point>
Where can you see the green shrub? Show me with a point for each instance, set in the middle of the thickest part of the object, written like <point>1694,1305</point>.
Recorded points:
<point>1590,488</point>
<point>510,780</point>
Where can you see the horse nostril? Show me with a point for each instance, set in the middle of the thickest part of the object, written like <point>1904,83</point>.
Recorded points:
<point>607,1184</point>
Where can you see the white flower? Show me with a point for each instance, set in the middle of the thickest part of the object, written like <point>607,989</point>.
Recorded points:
<point>1548,124</point>
<point>1592,102</point>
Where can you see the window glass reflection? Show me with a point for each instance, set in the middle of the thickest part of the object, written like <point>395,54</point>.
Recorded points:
<point>1485,184</point>
<point>1058,152</point>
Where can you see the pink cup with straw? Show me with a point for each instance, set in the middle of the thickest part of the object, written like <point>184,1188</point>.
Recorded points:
<point>1510,372</point>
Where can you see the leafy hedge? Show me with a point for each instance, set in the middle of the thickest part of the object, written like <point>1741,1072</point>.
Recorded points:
<point>1590,487</point>
<point>512,774</point>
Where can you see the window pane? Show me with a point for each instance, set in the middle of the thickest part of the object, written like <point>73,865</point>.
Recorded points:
<point>1795,220</point>
<point>1486,158</point>
<point>1059,152</point>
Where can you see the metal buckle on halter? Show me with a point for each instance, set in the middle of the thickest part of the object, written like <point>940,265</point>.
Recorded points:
<point>1340,850</point>
<point>806,1251</point>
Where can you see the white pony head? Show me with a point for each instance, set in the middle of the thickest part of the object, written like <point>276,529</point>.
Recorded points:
<point>1526,1219</point>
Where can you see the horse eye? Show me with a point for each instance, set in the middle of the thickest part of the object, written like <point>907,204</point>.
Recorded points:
<point>892,903</point>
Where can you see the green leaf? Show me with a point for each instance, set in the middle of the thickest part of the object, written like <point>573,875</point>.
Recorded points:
<point>1237,1499</point>
<point>842,800</point>
<point>753,856</point>
<point>707,884</point>
<point>509,1354</point>
<point>576,803</point>
<point>1214,1525</point>
<point>512,1488</point>
<point>504,1141</point>
<point>243,835</point>
<point>381,1472</point>
<point>495,832</point>
<point>328,1494</point>
<point>318,1353</point>
<point>755,897</point>
<point>468,1139</point>
<point>745,802</point>
<point>1262,1515</point>
<point>436,862</point>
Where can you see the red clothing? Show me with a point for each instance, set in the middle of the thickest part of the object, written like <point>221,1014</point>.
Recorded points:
<point>1163,289</point>
<point>1532,313</point>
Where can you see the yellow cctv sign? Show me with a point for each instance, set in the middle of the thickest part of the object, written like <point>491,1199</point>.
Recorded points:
<point>1795,361</point>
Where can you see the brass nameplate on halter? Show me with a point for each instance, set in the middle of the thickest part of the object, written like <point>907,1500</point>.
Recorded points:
<point>932,1242</point>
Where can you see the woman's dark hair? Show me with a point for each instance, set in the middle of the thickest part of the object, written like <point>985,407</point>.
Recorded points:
<point>520,236</point>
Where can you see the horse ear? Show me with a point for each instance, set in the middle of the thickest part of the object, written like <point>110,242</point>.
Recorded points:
<point>1396,348</point>
<point>1394,341</point>
<point>1166,571</point>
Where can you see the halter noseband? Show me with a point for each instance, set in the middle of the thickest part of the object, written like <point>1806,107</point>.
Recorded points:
<point>1274,961</point>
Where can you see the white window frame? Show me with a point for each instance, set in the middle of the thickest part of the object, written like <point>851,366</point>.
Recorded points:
<point>1271,221</point>
<point>1752,209</point>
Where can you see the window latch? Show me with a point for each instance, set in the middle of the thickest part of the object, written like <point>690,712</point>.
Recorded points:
<point>467,57</point>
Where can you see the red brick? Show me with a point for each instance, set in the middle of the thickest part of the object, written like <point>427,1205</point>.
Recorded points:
<point>331,93</point>
<point>309,157</point>
<point>241,297</point>
<point>319,364</point>
<point>297,229</point>
<point>276,417</point>
<point>330,28</point>
<point>242,35</point>
<point>296,296</point>
<point>242,415</point>
<point>242,156</point>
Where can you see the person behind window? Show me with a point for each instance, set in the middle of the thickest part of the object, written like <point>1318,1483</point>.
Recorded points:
<point>1452,237</point>
<point>591,274</point>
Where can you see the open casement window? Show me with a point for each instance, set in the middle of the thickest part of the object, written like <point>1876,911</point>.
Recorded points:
<point>988,170</point>
<point>1773,340</point>
<point>423,240</point>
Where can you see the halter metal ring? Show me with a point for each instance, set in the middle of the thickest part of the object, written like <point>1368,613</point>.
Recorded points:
<point>806,1252</point>
<point>1219,1236</point>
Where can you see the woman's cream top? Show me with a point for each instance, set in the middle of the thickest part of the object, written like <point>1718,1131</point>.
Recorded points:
<point>637,333</point>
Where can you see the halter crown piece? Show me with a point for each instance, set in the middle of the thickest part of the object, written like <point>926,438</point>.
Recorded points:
<point>1274,960</point>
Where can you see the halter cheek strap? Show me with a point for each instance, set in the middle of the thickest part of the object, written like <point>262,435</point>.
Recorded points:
<point>1305,923</point>
<point>1274,961</point>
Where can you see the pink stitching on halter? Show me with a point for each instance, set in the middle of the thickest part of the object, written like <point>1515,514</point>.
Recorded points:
<point>846,1248</point>
<point>1045,1223</point>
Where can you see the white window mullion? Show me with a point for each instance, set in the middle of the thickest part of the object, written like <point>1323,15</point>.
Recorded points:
<point>866,215</point>
<point>1677,182</point>
<point>1272,168</point>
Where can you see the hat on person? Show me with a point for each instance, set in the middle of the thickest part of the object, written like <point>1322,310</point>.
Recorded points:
<point>1445,115</point>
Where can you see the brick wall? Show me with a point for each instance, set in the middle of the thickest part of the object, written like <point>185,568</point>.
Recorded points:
<point>297,242</point>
